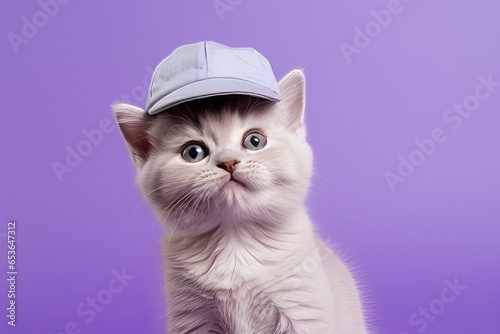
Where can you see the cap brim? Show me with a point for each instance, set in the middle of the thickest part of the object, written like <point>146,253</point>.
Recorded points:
<point>212,87</point>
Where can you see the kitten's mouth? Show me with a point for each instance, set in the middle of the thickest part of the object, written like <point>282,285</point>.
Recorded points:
<point>233,181</point>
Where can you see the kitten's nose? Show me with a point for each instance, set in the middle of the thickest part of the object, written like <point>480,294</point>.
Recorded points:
<point>228,166</point>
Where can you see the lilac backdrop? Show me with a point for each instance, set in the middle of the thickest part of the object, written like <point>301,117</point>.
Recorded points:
<point>365,109</point>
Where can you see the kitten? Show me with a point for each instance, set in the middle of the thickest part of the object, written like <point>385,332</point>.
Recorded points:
<point>227,176</point>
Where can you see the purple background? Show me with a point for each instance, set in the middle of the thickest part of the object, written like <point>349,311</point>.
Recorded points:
<point>441,223</point>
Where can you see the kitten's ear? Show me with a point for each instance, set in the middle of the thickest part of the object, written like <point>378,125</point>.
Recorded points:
<point>134,123</point>
<point>293,100</point>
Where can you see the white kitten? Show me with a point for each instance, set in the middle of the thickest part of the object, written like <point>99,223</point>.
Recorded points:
<point>227,176</point>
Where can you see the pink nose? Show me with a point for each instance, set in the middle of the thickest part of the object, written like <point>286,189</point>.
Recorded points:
<point>228,166</point>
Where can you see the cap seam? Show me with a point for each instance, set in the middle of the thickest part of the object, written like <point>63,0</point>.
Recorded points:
<point>206,60</point>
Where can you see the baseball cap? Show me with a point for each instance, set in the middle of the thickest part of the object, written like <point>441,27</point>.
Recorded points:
<point>205,69</point>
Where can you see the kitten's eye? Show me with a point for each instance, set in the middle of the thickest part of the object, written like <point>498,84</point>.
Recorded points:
<point>194,153</point>
<point>254,141</point>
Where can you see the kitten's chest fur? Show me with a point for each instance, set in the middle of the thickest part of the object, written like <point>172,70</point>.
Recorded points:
<point>254,282</point>
<point>236,258</point>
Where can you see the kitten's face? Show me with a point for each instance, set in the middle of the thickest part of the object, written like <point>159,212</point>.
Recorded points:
<point>224,160</point>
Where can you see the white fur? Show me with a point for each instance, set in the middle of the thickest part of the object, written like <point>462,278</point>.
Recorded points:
<point>240,257</point>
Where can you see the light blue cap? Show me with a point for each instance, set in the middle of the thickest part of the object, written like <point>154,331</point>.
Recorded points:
<point>207,69</point>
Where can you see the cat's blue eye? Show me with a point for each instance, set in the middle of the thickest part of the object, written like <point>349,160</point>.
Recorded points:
<point>254,141</point>
<point>194,153</point>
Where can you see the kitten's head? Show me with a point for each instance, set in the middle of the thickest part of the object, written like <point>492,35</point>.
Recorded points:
<point>231,159</point>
